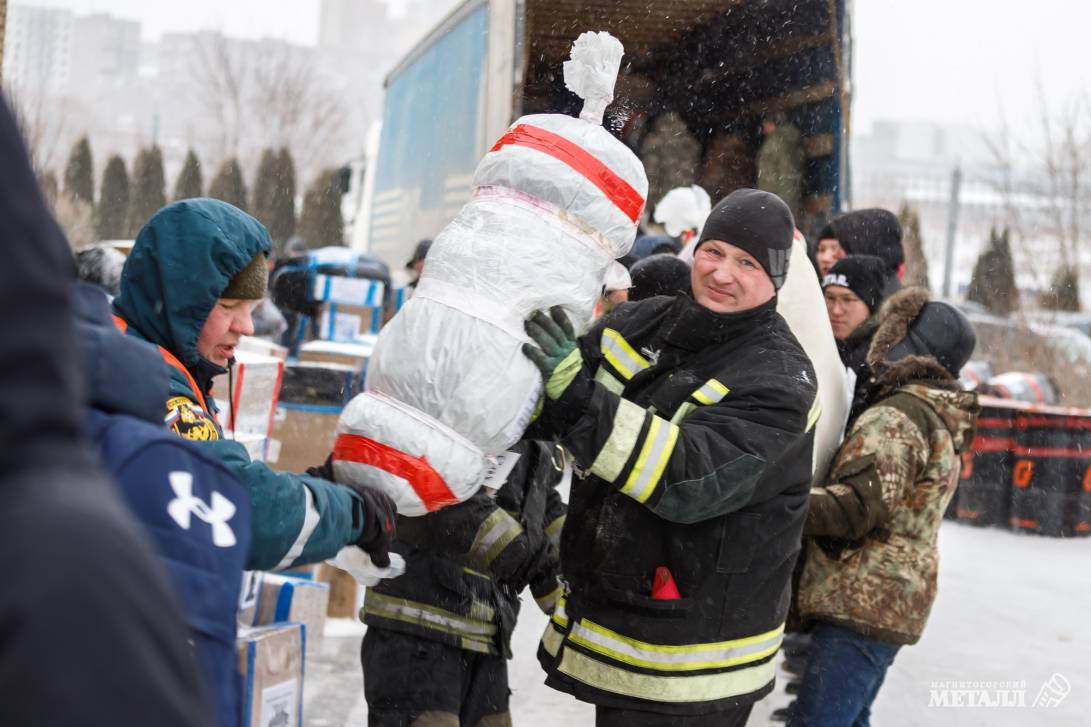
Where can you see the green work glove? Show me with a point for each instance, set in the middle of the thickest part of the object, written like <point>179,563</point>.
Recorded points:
<point>554,350</point>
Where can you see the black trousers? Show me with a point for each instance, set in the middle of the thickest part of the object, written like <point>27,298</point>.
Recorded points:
<point>608,717</point>
<point>410,680</point>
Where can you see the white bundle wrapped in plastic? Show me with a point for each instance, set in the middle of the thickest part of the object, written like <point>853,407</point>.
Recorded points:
<point>554,202</point>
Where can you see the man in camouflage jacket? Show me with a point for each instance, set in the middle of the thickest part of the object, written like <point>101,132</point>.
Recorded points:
<point>870,580</point>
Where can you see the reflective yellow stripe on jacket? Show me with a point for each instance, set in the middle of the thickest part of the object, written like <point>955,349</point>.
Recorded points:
<point>709,393</point>
<point>674,684</point>
<point>494,534</point>
<point>623,357</point>
<point>814,414</point>
<point>476,631</point>
<point>654,449</point>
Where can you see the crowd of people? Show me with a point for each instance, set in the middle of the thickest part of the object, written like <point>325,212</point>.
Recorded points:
<point>682,423</point>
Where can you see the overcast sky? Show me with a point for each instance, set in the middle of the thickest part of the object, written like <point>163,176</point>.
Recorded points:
<point>951,61</point>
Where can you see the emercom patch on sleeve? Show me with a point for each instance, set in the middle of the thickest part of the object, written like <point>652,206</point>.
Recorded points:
<point>189,421</point>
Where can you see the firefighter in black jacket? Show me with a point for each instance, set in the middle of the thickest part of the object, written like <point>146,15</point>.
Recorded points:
<point>436,649</point>
<point>691,424</point>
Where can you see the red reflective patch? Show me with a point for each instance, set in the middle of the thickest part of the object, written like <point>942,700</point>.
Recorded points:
<point>424,480</point>
<point>616,189</point>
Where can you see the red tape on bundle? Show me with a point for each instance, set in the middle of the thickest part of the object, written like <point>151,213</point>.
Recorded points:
<point>424,480</point>
<point>616,189</point>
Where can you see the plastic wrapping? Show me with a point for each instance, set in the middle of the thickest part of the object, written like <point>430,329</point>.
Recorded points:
<point>802,305</point>
<point>554,202</point>
<point>683,208</point>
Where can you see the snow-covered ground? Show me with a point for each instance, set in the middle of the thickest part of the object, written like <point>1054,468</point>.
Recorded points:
<point>1011,608</point>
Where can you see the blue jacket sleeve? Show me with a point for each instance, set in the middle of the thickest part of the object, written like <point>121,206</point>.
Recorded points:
<point>295,519</point>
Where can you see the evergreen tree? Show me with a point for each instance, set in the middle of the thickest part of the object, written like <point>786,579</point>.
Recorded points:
<point>321,223</point>
<point>189,183</point>
<point>113,203</point>
<point>916,264</point>
<point>148,193</point>
<point>79,182</point>
<point>1064,290</point>
<point>228,184</point>
<point>274,194</point>
<point>283,224</point>
<point>261,198</point>
<point>993,281</point>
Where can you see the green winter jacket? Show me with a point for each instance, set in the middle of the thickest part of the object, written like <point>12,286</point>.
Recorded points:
<point>182,259</point>
<point>874,562</point>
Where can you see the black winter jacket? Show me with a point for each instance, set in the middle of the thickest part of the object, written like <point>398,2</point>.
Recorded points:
<point>466,564</point>
<point>90,630</point>
<point>694,449</point>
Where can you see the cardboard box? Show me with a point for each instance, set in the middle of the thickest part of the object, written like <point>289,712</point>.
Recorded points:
<point>302,436</point>
<point>251,405</point>
<point>344,591</point>
<point>251,344</point>
<point>248,597</point>
<point>340,322</point>
<point>312,397</point>
<point>284,598</point>
<point>349,291</point>
<point>271,663</point>
<point>354,354</point>
<point>256,444</point>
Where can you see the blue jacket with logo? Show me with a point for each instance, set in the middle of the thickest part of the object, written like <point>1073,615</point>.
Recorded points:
<point>195,510</point>
<point>182,260</point>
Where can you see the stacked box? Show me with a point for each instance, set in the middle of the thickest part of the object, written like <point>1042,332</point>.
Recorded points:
<point>249,406</point>
<point>312,396</point>
<point>271,663</point>
<point>340,322</point>
<point>285,599</point>
<point>344,591</point>
<point>251,344</point>
<point>353,306</point>
<point>354,354</point>
<point>248,597</point>
<point>256,444</point>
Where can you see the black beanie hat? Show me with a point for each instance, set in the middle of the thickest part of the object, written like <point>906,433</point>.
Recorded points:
<point>662,274</point>
<point>864,275</point>
<point>758,222</point>
<point>939,330</point>
<point>871,232</point>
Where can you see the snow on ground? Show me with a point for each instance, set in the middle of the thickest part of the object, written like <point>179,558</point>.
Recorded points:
<point>1011,608</point>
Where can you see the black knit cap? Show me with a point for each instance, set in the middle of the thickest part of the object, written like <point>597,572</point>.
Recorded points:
<point>864,275</point>
<point>869,232</point>
<point>662,274</point>
<point>758,222</point>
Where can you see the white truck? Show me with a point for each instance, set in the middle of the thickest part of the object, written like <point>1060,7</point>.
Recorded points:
<point>721,66</point>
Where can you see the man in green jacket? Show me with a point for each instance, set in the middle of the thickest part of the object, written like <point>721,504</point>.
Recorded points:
<point>196,271</point>
<point>869,579</point>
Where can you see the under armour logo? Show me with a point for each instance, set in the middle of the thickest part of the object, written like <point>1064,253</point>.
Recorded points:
<point>186,504</point>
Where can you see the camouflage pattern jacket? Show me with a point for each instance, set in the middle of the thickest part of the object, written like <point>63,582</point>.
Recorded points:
<point>873,563</point>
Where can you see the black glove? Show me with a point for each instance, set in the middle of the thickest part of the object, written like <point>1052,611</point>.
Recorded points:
<point>324,470</point>
<point>379,517</point>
